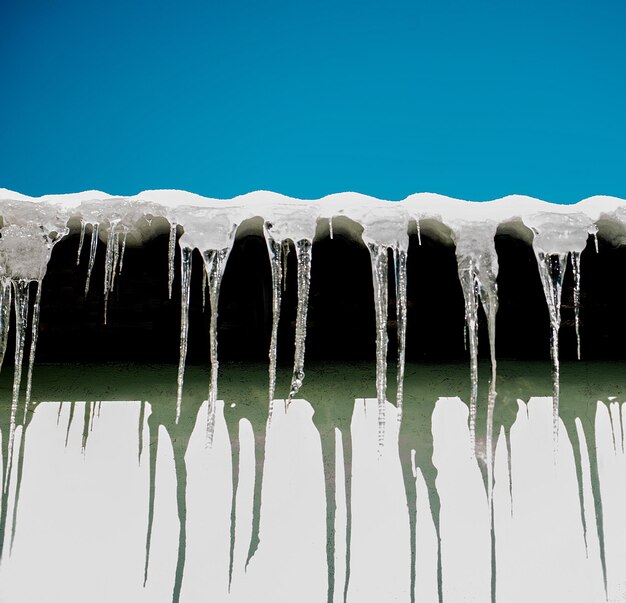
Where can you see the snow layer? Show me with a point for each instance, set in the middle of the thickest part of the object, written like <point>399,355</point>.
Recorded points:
<point>147,213</point>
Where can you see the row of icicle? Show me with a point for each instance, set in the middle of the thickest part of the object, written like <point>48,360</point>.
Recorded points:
<point>477,267</point>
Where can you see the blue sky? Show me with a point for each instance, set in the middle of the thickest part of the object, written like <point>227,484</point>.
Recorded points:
<point>473,99</point>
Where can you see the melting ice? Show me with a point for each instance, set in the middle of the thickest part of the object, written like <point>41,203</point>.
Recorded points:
<point>556,236</point>
<point>31,227</point>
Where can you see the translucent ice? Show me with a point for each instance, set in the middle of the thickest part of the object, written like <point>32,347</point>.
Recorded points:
<point>384,230</point>
<point>556,235</point>
<point>477,264</point>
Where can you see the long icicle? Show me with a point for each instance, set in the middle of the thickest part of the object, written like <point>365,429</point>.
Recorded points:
<point>400,261</point>
<point>477,264</point>
<point>489,300</point>
<point>5,316</point>
<point>21,298</point>
<point>275,251</point>
<point>171,257</point>
<point>204,286</point>
<point>81,240</point>
<point>34,334</point>
<point>123,250</point>
<point>116,259</point>
<point>185,282</point>
<point>470,285</point>
<point>215,261</point>
<point>108,268</point>
<point>552,270</point>
<point>304,248</point>
<point>93,248</point>
<point>380,268</point>
<point>575,255</point>
<point>286,250</point>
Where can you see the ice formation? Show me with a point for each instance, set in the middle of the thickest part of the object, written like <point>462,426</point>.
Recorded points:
<point>556,236</point>
<point>477,263</point>
<point>383,231</point>
<point>32,226</point>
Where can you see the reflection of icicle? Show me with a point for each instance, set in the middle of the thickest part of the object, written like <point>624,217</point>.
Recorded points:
<point>21,297</point>
<point>400,259</point>
<point>379,257</point>
<point>214,260</point>
<point>171,257</point>
<point>83,226</point>
<point>304,248</point>
<point>34,333</point>
<point>575,255</point>
<point>552,270</point>
<point>69,422</point>
<point>92,254</point>
<point>185,282</point>
<point>5,316</point>
<point>142,414</point>
<point>86,424</point>
<point>275,250</point>
<point>92,414</point>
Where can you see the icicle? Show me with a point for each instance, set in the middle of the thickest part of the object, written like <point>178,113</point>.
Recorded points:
<point>330,227</point>
<point>555,237</point>
<point>204,286</point>
<point>477,264</point>
<point>185,282</point>
<point>384,230</point>
<point>275,251</point>
<point>215,261</point>
<point>171,257</point>
<point>489,299</point>
<point>419,232</point>
<point>286,250</point>
<point>34,334</point>
<point>379,257</point>
<point>116,258</point>
<point>83,226</point>
<point>575,255</point>
<point>470,285</point>
<point>92,253</point>
<point>304,248</point>
<point>595,241</point>
<point>5,316</point>
<point>109,255</point>
<point>123,250</point>
<point>21,297</point>
<point>552,270</point>
<point>400,261</point>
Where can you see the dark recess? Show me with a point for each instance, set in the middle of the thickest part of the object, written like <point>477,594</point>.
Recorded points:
<point>144,325</point>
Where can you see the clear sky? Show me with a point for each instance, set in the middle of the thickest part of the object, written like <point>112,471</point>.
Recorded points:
<point>474,99</point>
